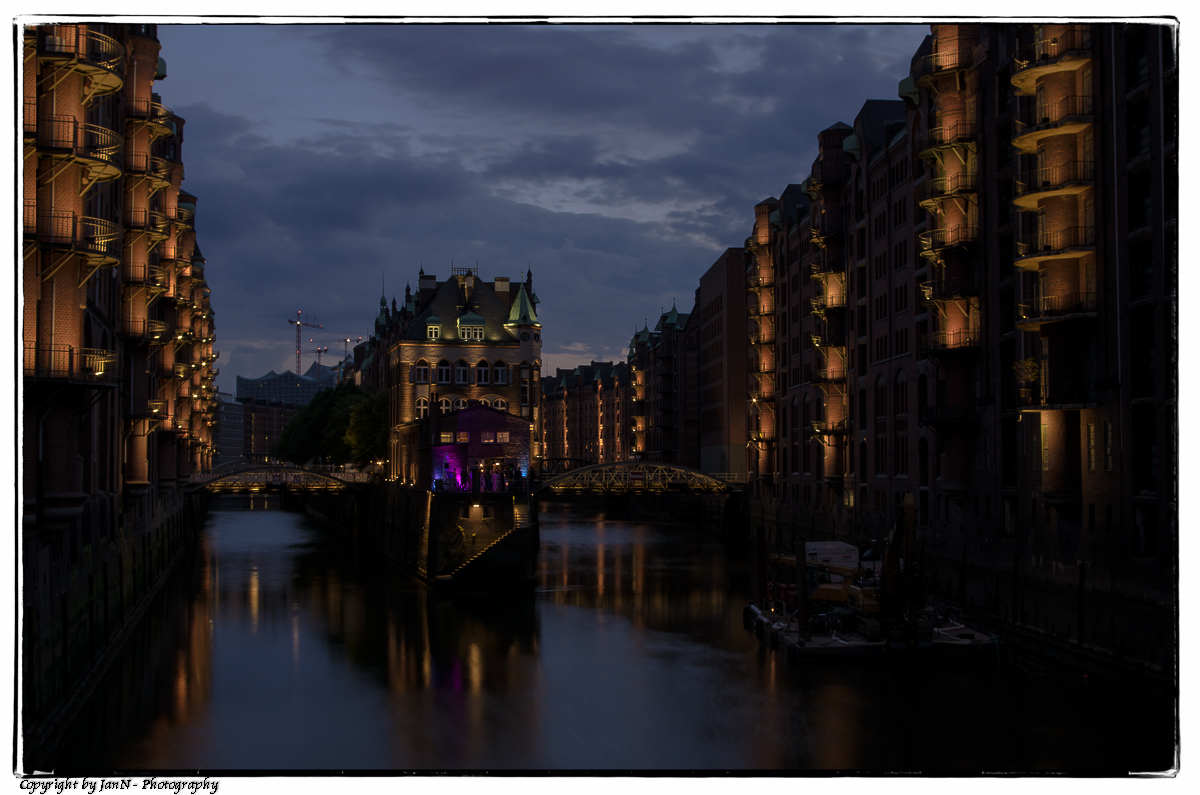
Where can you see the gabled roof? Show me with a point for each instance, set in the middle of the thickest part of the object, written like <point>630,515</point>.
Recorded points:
<point>448,302</point>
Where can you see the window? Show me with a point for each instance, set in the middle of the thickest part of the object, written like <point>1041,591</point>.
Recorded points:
<point>1045,447</point>
<point>484,402</point>
<point>444,405</point>
<point>460,404</point>
<point>471,332</point>
<point>501,437</point>
<point>501,404</point>
<point>447,437</point>
<point>524,393</point>
<point>422,372</point>
<point>422,408</point>
<point>460,372</point>
<point>1091,443</point>
<point>501,372</point>
<point>487,437</point>
<point>443,372</point>
<point>1108,447</point>
<point>464,437</point>
<point>433,332</point>
<point>483,372</point>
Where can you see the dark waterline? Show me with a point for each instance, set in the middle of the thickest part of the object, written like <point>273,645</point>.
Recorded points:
<point>281,647</point>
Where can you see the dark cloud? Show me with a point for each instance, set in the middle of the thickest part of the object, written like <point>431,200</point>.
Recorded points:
<point>618,162</point>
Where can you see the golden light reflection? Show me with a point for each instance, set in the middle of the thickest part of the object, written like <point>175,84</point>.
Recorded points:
<point>254,600</point>
<point>296,640</point>
<point>600,564</point>
<point>475,668</point>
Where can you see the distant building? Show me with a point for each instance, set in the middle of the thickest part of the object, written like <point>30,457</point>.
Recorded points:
<point>719,320</point>
<point>476,449</point>
<point>585,413</point>
<point>664,405</point>
<point>262,424</point>
<point>287,387</point>
<point>230,424</point>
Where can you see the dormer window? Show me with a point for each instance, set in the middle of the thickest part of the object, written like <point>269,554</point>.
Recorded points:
<point>471,332</point>
<point>433,332</point>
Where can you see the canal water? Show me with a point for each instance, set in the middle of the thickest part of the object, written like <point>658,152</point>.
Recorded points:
<point>279,646</point>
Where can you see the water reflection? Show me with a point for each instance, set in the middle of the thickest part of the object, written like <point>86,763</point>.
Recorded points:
<point>283,647</point>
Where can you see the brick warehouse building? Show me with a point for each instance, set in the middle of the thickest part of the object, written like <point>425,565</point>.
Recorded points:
<point>454,342</point>
<point>982,315</point>
<point>118,401</point>
<point>585,411</point>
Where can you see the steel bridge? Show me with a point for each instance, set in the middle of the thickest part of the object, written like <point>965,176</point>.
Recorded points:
<point>277,478</point>
<point>637,476</point>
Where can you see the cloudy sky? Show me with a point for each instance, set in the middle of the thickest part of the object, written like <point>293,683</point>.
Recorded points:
<point>617,162</point>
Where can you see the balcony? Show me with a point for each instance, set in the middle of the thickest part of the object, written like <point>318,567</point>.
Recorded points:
<point>829,375</point>
<point>953,56</point>
<point>947,414</point>
<point>157,225</point>
<point>95,148</point>
<point>1067,116</point>
<point>762,394</point>
<point>77,365</point>
<point>185,214</point>
<point>755,366</point>
<point>938,240</point>
<point>152,113</point>
<point>98,240</point>
<point>828,428</point>
<point>1063,52</point>
<point>766,337</point>
<point>823,303</point>
<point>1068,179</point>
<point>1055,395</point>
<point>1055,308</point>
<point>935,191</point>
<point>822,233</point>
<point>954,134</point>
<point>99,57</point>
<point>758,282</point>
<point>825,340</point>
<point>949,288</point>
<point>760,308</point>
<point>160,173</point>
<point>1068,243</point>
<point>935,342</point>
<point>827,264</point>
<point>153,331</point>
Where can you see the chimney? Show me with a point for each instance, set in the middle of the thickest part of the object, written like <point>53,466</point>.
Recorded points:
<point>501,288</point>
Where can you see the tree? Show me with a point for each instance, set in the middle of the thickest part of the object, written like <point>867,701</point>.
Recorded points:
<point>318,430</point>
<point>367,433</point>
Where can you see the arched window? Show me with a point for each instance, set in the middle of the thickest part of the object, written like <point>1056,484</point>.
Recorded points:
<point>880,397</point>
<point>423,374</point>
<point>484,402</point>
<point>443,372</point>
<point>460,404</point>
<point>900,394</point>
<point>422,407</point>
<point>500,369</point>
<point>483,372</point>
<point>501,404</point>
<point>444,405</point>
<point>460,372</point>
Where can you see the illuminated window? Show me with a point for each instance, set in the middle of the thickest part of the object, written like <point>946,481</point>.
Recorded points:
<point>1091,443</point>
<point>471,332</point>
<point>422,408</point>
<point>447,437</point>
<point>464,437</point>
<point>433,332</point>
<point>444,405</point>
<point>501,437</point>
<point>501,404</point>
<point>1045,447</point>
<point>460,404</point>
<point>487,437</point>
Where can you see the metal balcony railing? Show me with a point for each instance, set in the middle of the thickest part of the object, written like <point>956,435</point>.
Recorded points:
<point>952,133</point>
<point>758,309</point>
<point>937,239</point>
<point>949,288</point>
<point>63,229</point>
<point>1055,305</point>
<point>1053,113</point>
<point>160,169</point>
<point>825,341</point>
<point>946,187</point>
<point>756,282</point>
<point>56,132</point>
<point>827,264</point>
<point>950,340</point>
<point>1056,241</point>
<point>88,47</point>
<point>1052,177</point>
<point>828,375</point>
<point>952,54</point>
<point>181,371</point>
<point>1054,393</point>
<point>1077,38</point>
<point>70,363</point>
<point>763,337</point>
<point>99,143</point>
<point>822,302</point>
<point>826,427</point>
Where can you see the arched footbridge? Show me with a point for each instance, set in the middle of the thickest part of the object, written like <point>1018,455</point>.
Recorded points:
<point>637,476</point>
<point>277,478</point>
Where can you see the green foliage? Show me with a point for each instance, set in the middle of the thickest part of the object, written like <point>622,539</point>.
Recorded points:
<point>318,431</point>
<point>1027,371</point>
<point>367,433</point>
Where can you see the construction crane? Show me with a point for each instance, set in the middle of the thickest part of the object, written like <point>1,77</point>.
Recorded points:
<point>298,323</point>
<point>318,352</point>
<point>345,351</point>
